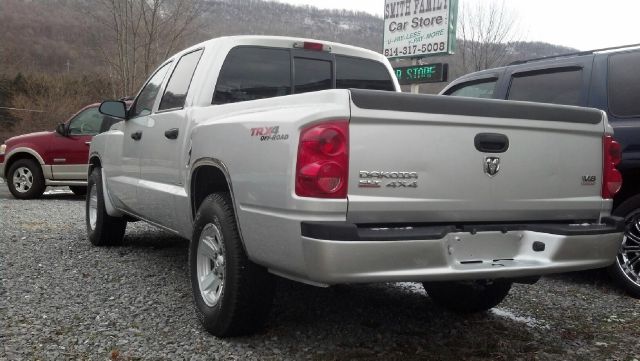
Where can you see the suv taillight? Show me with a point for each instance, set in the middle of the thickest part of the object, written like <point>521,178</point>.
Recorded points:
<point>323,160</point>
<point>611,177</point>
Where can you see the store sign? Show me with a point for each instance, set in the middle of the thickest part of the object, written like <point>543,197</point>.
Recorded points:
<point>428,73</point>
<point>418,28</point>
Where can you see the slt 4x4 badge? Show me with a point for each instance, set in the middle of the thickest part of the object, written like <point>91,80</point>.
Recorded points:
<point>379,179</point>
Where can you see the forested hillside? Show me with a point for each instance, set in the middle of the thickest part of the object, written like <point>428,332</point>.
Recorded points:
<point>53,52</point>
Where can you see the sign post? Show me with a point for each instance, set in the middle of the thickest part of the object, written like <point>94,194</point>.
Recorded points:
<point>415,87</point>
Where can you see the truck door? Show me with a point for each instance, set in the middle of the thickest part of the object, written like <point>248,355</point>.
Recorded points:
<point>124,178</point>
<point>163,147</point>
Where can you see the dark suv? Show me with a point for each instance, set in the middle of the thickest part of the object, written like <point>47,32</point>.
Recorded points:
<point>607,79</point>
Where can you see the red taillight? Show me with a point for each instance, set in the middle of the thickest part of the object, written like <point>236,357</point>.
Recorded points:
<point>611,177</point>
<point>323,160</point>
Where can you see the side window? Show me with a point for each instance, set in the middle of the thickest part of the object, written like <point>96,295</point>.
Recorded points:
<point>250,73</point>
<point>176,93</point>
<point>144,102</point>
<point>86,123</point>
<point>312,75</point>
<point>362,74</point>
<point>558,87</point>
<point>484,88</point>
<point>624,84</point>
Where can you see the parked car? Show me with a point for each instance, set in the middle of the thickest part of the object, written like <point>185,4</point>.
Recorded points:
<point>300,158</point>
<point>607,79</point>
<point>31,162</point>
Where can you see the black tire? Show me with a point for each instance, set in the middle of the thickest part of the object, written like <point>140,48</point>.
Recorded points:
<point>246,293</point>
<point>32,185</point>
<point>79,190</point>
<point>629,280</point>
<point>468,296</point>
<point>105,230</point>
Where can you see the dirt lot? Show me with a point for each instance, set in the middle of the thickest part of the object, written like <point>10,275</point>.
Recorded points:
<point>61,298</point>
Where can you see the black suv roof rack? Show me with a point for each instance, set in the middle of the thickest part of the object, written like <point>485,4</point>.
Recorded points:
<point>580,53</point>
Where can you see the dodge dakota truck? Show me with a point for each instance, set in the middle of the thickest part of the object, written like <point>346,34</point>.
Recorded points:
<point>301,159</point>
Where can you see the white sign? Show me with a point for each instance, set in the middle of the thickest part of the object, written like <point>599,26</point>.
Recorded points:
<point>418,28</point>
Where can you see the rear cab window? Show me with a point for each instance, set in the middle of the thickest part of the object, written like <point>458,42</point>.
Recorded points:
<point>359,73</point>
<point>253,72</point>
<point>312,75</point>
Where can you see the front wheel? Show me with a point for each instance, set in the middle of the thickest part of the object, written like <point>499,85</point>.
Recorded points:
<point>468,296</point>
<point>232,294</point>
<point>25,179</point>
<point>625,271</point>
<point>102,229</point>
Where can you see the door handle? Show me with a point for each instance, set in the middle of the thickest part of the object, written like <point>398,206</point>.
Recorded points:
<point>137,135</point>
<point>87,143</point>
<point>172,133</point>
<point>491,142</point>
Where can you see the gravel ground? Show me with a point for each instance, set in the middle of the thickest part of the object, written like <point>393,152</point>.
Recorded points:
<point>61,298</point>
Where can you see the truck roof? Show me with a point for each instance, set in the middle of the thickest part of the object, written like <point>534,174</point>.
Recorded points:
<point>283,42</point>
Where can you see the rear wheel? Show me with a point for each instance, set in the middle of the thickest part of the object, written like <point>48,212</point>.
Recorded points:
<point>25,179</point>
<point>468,296</point>
<point>625,271</point>
<point>78,190</point>
<point>232,294</point>
<point>102,229</point>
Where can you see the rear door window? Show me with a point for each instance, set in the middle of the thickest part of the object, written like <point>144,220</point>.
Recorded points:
<point>556,87</point>
<point>250,73</point>
<point>624,84</point>
<point>362,74</point>
<point>176,93</point>
<point>484,88</point>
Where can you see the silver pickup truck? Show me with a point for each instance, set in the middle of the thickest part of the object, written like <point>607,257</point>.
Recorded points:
<point>299,158</point>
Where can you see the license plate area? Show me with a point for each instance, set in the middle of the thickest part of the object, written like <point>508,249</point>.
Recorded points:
<point>484,247</point>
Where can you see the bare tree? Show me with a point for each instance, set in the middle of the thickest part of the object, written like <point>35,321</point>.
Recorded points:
<point>138,34</point>
<point>487,30</point>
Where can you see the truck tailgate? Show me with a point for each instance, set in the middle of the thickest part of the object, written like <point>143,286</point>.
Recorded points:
<point>435,159</point>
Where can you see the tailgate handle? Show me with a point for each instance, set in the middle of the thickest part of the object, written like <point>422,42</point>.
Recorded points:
<point>491,142</point>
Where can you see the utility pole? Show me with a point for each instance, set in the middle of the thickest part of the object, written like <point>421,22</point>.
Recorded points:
<point>68,66</point>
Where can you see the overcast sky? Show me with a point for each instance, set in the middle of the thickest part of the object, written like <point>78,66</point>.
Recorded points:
<point>581,24</point>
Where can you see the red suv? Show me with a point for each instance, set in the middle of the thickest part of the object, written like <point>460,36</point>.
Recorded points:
<point>31,162</point>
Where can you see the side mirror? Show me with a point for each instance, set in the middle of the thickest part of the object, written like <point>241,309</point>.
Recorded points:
<point>62,129</point>
<point>114,108</point>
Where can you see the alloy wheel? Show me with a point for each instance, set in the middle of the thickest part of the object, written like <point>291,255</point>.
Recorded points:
<point>23,179</point>
<point>93,207</point>
<point>628,259</point>
<point>211,264</point>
